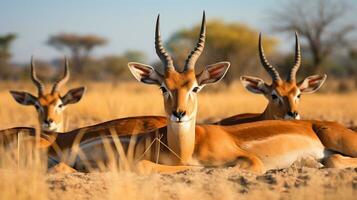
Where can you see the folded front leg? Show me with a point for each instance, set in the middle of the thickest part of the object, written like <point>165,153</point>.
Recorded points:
<point>339,161</point>
<point>146,167</point>
<point>249,162</point>
<point>61,168</point>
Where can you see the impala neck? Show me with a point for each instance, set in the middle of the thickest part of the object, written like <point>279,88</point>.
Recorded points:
<point>60,127</point>
<point>181,139</point>
<point>268,114</point>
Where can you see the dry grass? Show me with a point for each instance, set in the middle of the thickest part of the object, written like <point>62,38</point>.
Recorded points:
<point>108,101</point>
<point>22,172</point>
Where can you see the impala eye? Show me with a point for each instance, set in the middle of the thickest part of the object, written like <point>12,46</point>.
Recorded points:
<point>196,89</point>
<point>60,106</point>
<point>163,89</point>
<point>299,96</point>
<point>274,96</point>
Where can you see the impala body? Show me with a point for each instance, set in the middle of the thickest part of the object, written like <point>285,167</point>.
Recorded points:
<point>283,95</point>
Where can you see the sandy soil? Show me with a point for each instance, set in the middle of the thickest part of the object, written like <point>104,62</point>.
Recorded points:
<point>296,182</point>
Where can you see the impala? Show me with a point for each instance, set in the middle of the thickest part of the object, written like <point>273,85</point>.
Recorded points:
<point>50,109</point>
<point>283,94</point>
<point>49,106</point>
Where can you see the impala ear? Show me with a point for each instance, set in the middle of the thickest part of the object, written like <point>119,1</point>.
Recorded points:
<point>145,73</point>
<point>212,73</point>
<point>312,83</point>
<point>253,84</point>
<point>73,96</point>
<point>24,98</point>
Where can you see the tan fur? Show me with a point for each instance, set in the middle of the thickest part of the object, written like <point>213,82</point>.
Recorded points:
<point>283,95</point>
<point>338,161</point>
<point>48,103</point>
<point>286,90</point>
<point>179,84</point>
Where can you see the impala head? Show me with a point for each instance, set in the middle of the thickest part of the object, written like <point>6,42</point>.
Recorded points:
<point>49,106</point>
<point>283,95</point>
<point>179,88</point>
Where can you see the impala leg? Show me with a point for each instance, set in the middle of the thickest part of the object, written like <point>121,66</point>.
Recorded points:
<point>146,167</point>
<point>339,161</point>
<point>250,162</point>
<point>337,138</point>
<point>61,168</point>
<point>341,139</point>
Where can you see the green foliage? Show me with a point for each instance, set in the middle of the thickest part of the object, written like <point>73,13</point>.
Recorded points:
<point>234,42</point>
<point>5,55</point>
<point>6,40</point>
<point>111,67</point>
<point>134,55</point>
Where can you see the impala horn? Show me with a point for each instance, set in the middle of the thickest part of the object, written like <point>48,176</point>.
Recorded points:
<point>160,50</point>
<point>35,80</point>
<point>195,54</point>
<point>295,68</point>
<point>63,80</point>
<point>268,67</point>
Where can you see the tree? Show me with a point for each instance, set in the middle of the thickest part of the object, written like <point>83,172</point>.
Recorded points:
<point>320,22</point>
<point>134,55</point>
<point>5,55</point>
<point>5,42</point>
<point>80,46</point>
<point>112,67</point>
<point>233,42</point>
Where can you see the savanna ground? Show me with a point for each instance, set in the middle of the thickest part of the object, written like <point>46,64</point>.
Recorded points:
<point>304,180</point>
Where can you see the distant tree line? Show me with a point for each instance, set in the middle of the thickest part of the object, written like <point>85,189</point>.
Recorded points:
<point>324,33</point>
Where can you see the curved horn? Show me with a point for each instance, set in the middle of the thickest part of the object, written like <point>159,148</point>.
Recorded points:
<point>297,64</point>
<point>63,80</point>
<point>268,67</point>
<point>35,80</point>
<point>160,50</point>
<point>195,54</point>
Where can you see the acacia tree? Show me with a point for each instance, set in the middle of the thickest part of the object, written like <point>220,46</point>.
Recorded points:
<point>233,42</point>
<point>321,22</point>
<point>79,46</point>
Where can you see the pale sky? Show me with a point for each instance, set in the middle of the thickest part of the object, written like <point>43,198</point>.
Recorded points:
<point>127,24</point>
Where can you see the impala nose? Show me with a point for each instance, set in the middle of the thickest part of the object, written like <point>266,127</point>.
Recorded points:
<point>49,121</point>
<point>293,114</point>
<point>179,114</point>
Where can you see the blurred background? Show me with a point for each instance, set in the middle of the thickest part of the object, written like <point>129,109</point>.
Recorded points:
<point>101,36</point>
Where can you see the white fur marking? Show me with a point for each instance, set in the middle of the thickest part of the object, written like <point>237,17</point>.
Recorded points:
<point>311,148</point>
